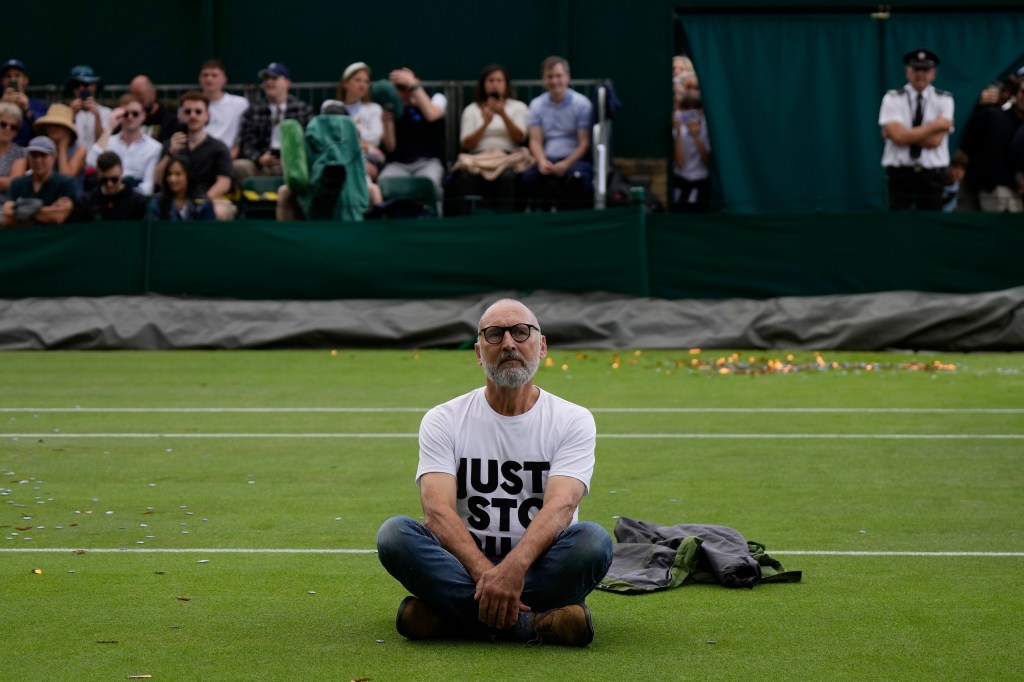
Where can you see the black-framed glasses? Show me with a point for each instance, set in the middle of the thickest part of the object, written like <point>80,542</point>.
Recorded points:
<point>520,332</point>
<point>110,180</point>
<point>134,113</point>
<point>8,126</point>
<point>197,112</point>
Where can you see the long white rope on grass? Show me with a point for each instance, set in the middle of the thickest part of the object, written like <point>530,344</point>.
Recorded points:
<point>649,436</point>
<point>610,410</point>
<point>190,550</point>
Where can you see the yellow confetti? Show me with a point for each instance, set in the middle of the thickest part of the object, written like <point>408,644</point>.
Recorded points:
<point>37,571</point>
<point>695,351</point>
<point>565,367</point>
<point>548,362</point>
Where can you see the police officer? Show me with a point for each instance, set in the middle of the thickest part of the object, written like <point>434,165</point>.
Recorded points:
<point>916,121</point>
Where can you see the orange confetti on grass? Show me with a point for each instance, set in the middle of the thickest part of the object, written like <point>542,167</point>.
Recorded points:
<point>695,351</point>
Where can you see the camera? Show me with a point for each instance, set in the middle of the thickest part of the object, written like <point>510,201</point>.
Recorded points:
<point>494,95</point>
<point>84,92</point>
<point>14,84</point>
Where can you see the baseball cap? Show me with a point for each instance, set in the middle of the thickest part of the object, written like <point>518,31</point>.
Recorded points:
<point>14,64</point>
<point>42,144</point>
<point>83,74</point>
<point>274,69</point>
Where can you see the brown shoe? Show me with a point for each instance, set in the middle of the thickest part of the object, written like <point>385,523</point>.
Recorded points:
<point>568,625</point>
<point>416,620</point>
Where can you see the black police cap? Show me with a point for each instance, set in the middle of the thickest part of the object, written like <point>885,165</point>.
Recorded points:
<point>921,58</point>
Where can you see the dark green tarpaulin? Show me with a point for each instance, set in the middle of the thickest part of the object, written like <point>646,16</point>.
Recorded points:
<point>792,99</point>
<point>619,250</point>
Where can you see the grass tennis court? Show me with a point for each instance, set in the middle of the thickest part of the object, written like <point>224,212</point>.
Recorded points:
<point>226,501</point>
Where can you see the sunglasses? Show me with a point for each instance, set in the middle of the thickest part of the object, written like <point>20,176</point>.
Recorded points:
<point>8,126</point>
<point>134,113</point>
<point>110,180</point>
<point>520,332</point>
<point>197,112</point>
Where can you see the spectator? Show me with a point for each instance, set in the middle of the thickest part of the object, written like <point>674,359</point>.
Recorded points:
<point>684,78</point>
<point>207,159</point>
<point>989,140</point>
<point>179,199</point>
<point>916,121</point>
<point>42,197</point>
<point>226,110</point>
<point>259,138</point>
<point>954,176</point>
<point>90,116</point>
<point>691,152</point>
<point>112,199</point>
<point>137,152</point>
<point>418,132</point>
<point>14,79</point>
<point>492,132</point>
<point>58,124</point>
<point>559,140</point>
<point>160,122</point>
<point>12,156</point>
<point>354,93</point>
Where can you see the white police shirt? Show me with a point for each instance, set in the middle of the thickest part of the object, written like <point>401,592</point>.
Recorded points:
<point>898,106</point>
<point>501,464</point>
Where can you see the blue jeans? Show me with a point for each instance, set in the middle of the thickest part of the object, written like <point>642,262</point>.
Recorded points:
<point>565,574</point>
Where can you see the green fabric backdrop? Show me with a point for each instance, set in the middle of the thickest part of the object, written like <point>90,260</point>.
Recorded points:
<point>618,250</point>
<point>792,100</point>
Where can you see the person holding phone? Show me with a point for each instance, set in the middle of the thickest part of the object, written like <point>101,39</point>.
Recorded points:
<point>90,116</point>
<point>492,134</point>
<point>14,79</point>
<point>691,152</point>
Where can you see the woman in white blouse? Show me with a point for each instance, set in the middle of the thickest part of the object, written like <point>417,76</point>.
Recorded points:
<point>492,133</point>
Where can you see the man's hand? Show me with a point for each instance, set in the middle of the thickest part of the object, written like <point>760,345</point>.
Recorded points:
<point>499,591</point>
<point>267,160</point>
<point>561,168</point>
<point>178,142</point>
<point>17,98</point>
<point>545,167</point>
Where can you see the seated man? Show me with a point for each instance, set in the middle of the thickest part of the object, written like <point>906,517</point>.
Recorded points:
<point>418,133</point>
<point>90,115</point>
<point>209,161</point>
<point>560,121</point>
<point>43,197</point>
<point>137,152</point>
<point>112,199</point>
<point>160,122</point>
<point>259,137</point>
<point>500,553</point>
<point>226,110</point>
<point>13,81</point>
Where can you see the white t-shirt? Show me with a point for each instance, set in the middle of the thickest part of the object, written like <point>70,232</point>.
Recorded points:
<point>85,123</point>
<point>496,134</point>
<point>368,119</point>
<point>226,118</point>
<point>502,464</point>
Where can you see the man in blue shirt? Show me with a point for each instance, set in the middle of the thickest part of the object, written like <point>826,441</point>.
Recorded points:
<point>559,123</point>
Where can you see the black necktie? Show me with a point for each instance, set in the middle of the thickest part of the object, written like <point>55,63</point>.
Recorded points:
<point>915,150</point>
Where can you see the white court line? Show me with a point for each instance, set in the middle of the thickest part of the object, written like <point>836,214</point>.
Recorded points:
<point>653,436</point>
<point>133,550</point>
<point>630,410</point>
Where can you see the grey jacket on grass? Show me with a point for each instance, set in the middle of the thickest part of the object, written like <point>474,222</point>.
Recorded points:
<point>648,557</point>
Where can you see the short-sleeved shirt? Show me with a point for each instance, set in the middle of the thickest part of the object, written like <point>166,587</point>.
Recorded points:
<point>55,187</point>
<point>501,464</point>
<point>559,122</point>
<point>209,159</point>
<point>496,135</point>
<point>368,117</point>
<point>226,118</point>
<point>899,106</point>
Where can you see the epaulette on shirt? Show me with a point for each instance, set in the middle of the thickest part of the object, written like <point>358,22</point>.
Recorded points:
<point>895,92</point>
<point>944,93</point>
